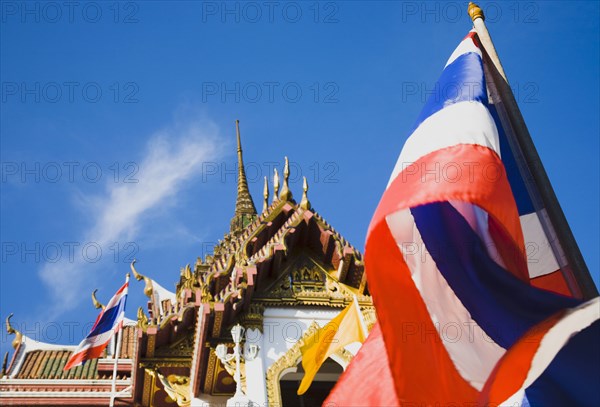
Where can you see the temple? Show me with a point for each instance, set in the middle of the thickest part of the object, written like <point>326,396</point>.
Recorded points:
<point>274,278</point>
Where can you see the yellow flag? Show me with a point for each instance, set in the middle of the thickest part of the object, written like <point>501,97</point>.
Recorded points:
<point>346,328</point>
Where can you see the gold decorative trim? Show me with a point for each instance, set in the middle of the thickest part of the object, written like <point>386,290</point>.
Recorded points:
<point>253,319</point>
<point>275,185</point>
<point>291,359</point>
<point>152,363</point>
<point>305,203</point>
<point>210,371</point>
<point>142,320</point>
<point>286,194</point>
<point>176,386</point>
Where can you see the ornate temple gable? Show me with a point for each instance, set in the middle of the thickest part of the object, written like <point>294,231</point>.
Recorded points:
<point>286,256</point>
<point>304,280</point>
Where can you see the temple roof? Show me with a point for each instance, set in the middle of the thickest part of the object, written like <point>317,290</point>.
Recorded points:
<point>40,360</point>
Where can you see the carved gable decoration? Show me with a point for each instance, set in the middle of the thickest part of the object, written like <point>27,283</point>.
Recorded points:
<point>305,281</point>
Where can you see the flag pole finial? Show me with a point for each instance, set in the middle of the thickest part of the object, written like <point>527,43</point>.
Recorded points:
<point>475,11</point>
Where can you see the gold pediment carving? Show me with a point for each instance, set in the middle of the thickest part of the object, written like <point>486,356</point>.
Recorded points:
<point>306,281</point>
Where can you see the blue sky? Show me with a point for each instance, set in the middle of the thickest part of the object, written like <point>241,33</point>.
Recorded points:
<point>117,125</point>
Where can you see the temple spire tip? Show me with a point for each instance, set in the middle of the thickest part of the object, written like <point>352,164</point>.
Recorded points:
<point>286,193</point>
<point>244,206</point>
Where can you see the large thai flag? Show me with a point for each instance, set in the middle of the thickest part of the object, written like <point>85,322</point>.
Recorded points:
<point>108,323</point>
<point>460,317</point>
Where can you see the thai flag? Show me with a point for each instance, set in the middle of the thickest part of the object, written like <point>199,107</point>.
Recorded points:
<point>461,319</point>
<point>108,323</point>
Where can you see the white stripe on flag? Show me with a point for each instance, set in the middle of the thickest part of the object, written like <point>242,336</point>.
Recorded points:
<point>576,320</point>
<point>461,123</point>
<point>540,257</point>
<point>472,351</point>
<point>94,341</point>
<point>467,45</point>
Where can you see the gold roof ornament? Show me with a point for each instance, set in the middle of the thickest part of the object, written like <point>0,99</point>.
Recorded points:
<point>286,194</point>
<point>18,335</point>
<point>475,11</point>
<point>244,205</point>
<point>266,195</point>
<point>275,185</point>
<point>97,304</point>
<point>142,319</point>
<point>148,288</point>
<point>305,203</point>
<point>176,386</point>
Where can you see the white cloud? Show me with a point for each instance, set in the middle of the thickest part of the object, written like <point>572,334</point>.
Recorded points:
<point>172,157</point>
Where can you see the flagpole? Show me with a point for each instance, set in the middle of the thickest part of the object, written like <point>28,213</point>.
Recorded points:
<point>113,387</point>
<point>563,232</point>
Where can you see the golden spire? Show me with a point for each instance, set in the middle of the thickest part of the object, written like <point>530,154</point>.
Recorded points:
<point>18,335</point>
<point>286,194</point>
<point>97,303</point>
<point>266,195</point>
<point>475,11</point>
<point>244,206</point>
<point>275,185</point>
<point>305,203</point>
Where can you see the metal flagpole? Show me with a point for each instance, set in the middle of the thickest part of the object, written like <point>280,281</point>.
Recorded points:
<point>576,263</point>
<point>113,387</point>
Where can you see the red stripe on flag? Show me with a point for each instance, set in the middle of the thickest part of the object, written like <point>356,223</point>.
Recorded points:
<point>554,282</point>
<point>515,261</point>
<point>370,372</point>
<point>421,367</point>
<point>465,172</point>
<point>90,353</point>
<point>511,371</point>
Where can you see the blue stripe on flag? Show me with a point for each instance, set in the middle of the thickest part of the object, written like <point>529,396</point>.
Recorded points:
<point>566,382</point>
<point>516,181</point>
<point>504,306</point>
<point>109,318</point>
<point>461,81</point>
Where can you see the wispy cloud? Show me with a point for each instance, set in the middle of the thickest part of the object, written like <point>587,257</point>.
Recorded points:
<point>172,156</point>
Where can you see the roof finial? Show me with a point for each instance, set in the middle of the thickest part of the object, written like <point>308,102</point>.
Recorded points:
<point>475,11</point>
<point>244,206</point>
<point>266,195</point>
<point>305,203</point>
<point>95,301</point>
<point>275,185</point>
<point>148,289</point>
<point>11,330</point>
<point>286,194</point>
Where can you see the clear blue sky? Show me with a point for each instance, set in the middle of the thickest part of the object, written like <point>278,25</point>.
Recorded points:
<point>102,94</point>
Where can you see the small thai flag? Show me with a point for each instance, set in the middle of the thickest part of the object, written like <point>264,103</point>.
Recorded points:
<point>108,323</point>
